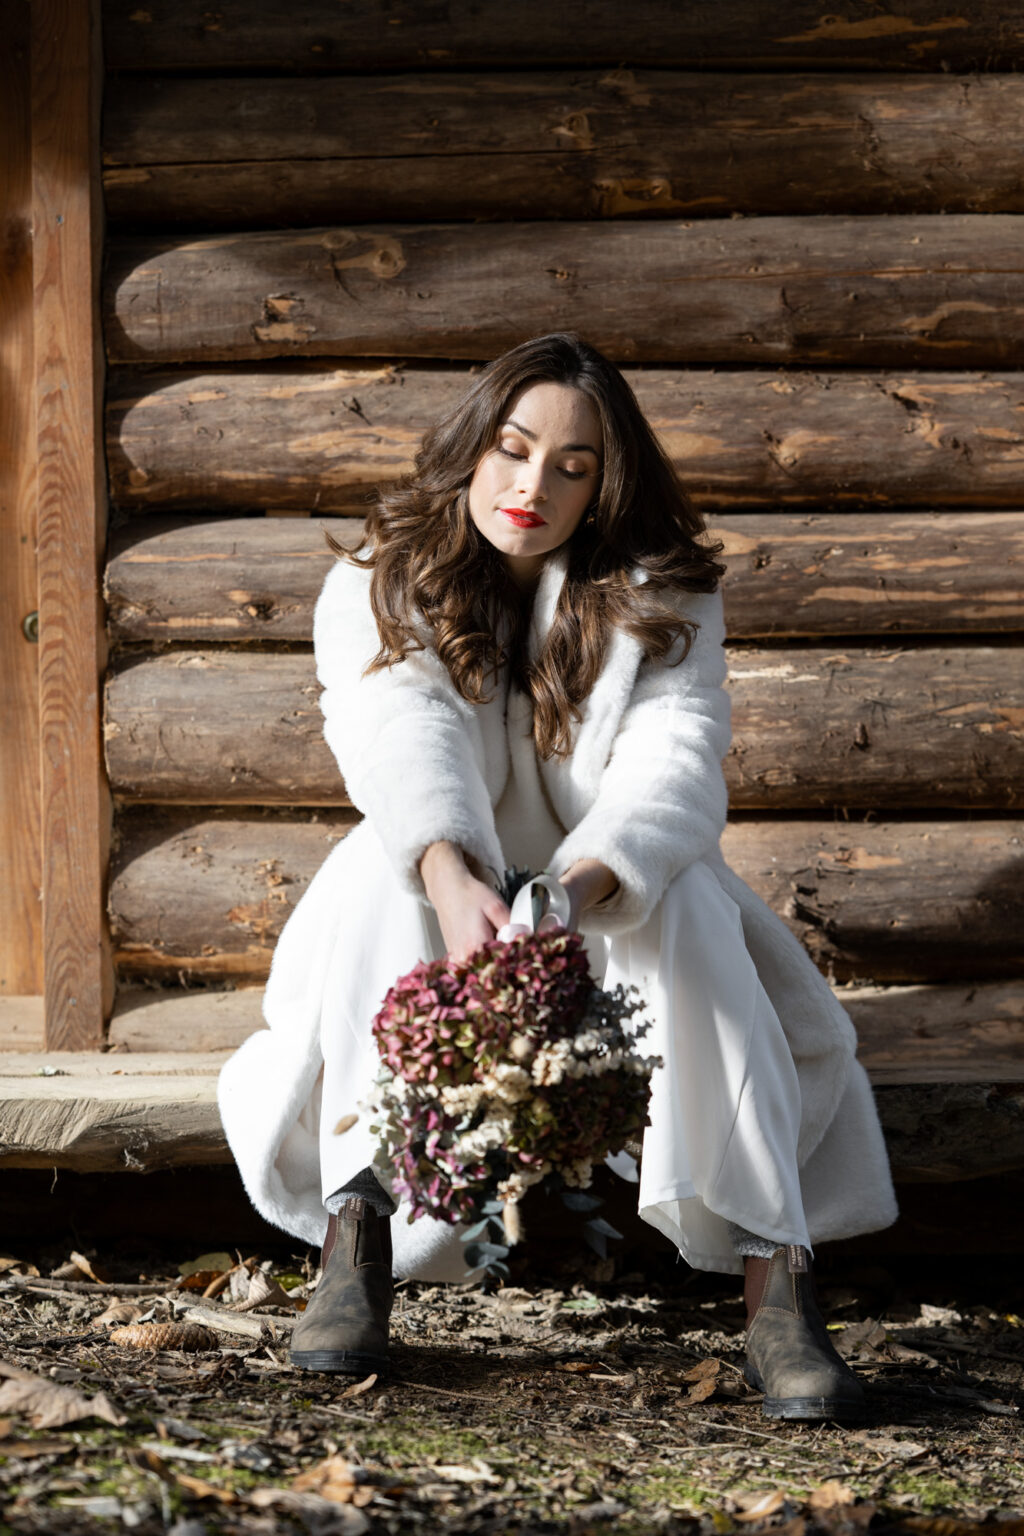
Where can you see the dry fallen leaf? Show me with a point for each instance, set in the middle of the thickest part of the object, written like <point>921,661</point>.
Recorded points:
<point>260,1290</point>
<point>333,1479</point>
<point>81,1262</point>
<point>758,1506</point>
<point>311,1508</point>
<point>345,1124</point>
<point>830,1495</point>
<point>359,1387</point>
<point>9,1266</point>
<point>117,1313</point>
<point>25,1450</point>
<point>48,1404</point>
<point>704,1380</point>
<point>579,1367</point>
<point>198,1487</point>
<point>164,1336</point>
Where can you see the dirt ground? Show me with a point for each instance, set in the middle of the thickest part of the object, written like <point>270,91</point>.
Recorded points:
<point>577,1405</point>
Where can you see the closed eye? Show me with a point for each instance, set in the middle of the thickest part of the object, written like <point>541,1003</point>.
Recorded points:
<point>570,474</point>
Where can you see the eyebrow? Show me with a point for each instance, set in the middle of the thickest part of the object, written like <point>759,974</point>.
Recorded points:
<point>565,448</point>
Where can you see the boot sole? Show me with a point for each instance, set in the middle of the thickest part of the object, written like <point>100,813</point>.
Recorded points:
<point>342,1362</point>
<point>841,1410</point>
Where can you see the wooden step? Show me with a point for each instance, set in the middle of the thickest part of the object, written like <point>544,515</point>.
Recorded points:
<point>110,1111</point>
<point>129,1112</point>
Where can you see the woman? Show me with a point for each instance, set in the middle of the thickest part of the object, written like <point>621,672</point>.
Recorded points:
<point>523,664</point>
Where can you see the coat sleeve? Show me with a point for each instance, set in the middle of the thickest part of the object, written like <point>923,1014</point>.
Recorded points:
<point>661,801</point>
<point>405,740</point>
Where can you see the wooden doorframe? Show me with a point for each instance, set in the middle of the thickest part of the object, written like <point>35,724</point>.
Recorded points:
<point>71,512</point>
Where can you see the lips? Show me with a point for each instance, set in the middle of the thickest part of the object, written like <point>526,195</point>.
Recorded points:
<point>522,519</point>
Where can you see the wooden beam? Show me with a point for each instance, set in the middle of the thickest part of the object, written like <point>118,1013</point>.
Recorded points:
<point>858,574</point>
<point>318,437</point>
<point>869,291</point>
<point>66,75</point>
<point>231,153</point>
<point>203,895</point>
<point>110,1111</point>
<point>731,34</point>
<point>125,1112</point>
<point>21,915</point>
<point>914,727</point>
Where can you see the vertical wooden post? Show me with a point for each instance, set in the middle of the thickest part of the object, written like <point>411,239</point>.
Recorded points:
<point>71,499</point>
<point>21,932</point>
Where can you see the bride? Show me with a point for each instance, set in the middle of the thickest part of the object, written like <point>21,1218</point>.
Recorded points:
<point>523,663</point>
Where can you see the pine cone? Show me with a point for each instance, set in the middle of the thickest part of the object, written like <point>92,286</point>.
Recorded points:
<point>164,1336</point>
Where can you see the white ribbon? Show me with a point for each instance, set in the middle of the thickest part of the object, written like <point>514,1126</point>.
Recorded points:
<point>542,896</point>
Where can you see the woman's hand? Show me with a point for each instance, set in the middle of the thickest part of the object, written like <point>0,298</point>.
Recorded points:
<point>587,882</point>
<point>469,912</point>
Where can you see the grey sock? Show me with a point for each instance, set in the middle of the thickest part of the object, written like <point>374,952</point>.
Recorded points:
<point>748,1245</point>
<point>364,1186</point>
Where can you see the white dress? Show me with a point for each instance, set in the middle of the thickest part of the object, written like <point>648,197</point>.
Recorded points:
<point>760,1114</point>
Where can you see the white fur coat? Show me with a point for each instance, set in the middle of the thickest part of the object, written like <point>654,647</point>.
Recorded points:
<point>642,791</point>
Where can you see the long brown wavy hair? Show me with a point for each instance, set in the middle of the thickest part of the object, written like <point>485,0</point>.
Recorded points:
<point>430,564</point>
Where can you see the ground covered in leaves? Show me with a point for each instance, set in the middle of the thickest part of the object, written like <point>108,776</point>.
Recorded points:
<point>596,1406</point>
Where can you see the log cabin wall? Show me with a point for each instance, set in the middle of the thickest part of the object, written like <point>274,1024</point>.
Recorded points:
<point>801,241</point>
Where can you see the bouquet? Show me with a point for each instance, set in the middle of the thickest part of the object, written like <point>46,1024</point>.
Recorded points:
<point>504,1070</point>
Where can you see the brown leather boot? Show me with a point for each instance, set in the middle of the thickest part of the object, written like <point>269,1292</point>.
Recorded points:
<point>790,1357</point>
<point>345,1326</point>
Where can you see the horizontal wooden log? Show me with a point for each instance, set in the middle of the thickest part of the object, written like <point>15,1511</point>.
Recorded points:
<point>863,291</point>
<point>238,153</point>
<point>318,438</point>
<point>858,574</point>
<point>113,1112</point>
<point>205,895</point>
<point>936,1034</point>
<point>943,1133</point>
<point>925,728</point>
<point>259,34</point>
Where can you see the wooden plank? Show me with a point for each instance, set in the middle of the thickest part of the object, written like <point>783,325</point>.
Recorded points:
<point>229,153</point>
<point>143,1112</point>
<point>856,574</point>
<point>204,895</point>
<point>318,438</point>
<point>862,291</point>
<point>923,1034</point>
<point>732,34</point>
<point>22,1023</point>
<point>21,916</point>
<point>66,73</point>
<point>922,727</point>
<point>109,1112</point>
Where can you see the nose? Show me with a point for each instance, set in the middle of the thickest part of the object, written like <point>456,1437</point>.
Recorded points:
<point>532,481</point>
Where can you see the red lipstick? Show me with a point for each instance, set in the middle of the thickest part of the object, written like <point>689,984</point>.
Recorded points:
<point>522,519</point>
